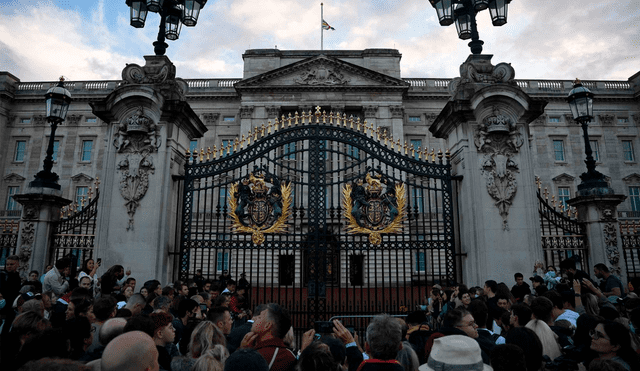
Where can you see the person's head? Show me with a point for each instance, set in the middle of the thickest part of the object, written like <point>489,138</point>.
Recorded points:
<point>317,357</point>
<point>131,282</point>
<point>520,315</point>
<point>384,337</point>
<point>336,347</point>
<point>140,323</point>
<point>85,282</point>
<point>104,308</point>
<point>183,290</point>
<point>246,359</point>
<point>609,338</point>
<point>206,287</point>
<point>222,300</point>
<point>162,303</point>
<point>187,308</point>
<point>28,324</point>
<point>231,285</point>
<point>136,304</point>
<point>83,308</point>
<point>502,301</point>
<point>606,365</point>
<point>11,263</point>
<point>519,278</point>
<point>462,320</point>
<point>204,337</point>
<point>130,351</point>
<point>542,308</point>
<point>111,329</point>
<point>480,313</point>
<point>274,319</point>
<point>221,317</point>
<point>163,331</point>
<point>455,352</point>
<point>527,339</point>
<point>33,275</point>
<point>490,287</point>
<point>80,334</point>
<point>507,357</point>
<point>600,270</point>
<point>212,360</point>
<point>144,292</point>
<point>64,266</point>
<point>127,292</point>
<point>33,305</point>
<point>568,265</point>
<point>168,291</point>
<point>87,266</point>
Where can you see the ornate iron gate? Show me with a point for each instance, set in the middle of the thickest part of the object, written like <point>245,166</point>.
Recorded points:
<point>74,234</point>
<point>325,215</point>
<point>563,236</point>
<point>630,235</point>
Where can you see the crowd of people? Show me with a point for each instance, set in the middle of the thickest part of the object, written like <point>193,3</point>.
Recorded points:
<point>566,320</point>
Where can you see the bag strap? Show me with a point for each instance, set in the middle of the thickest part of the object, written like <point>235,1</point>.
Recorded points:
<point>273,359</point>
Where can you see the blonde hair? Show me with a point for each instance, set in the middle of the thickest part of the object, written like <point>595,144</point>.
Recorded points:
<point>204,337</point>
<point>213,359</point>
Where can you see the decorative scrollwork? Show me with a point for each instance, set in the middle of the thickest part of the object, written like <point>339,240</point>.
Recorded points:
<point>256,209</point>
<point>369,211</point>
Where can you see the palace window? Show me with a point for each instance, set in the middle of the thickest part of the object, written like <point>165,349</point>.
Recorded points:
<point>417,204</point>
<point>414,119</point>
<point>416,143</point>
<point>421,261</point>
<point>227,144</point>
<point>353,151</point>
<point>92,120</point>
<point>595,150</point>
<point>81,193</point>
<point>558,150</point>
<point>11,203</point>
<point>222,197</point>
<point>87,146</point>
<point>627,151</point>
<point>623,120</point>
<point>290,151</point>
<point>554,119</point>
<point>564,193</point>
<point>21,150</point>
<point>56,147</point>
<point>228,118</point>
<point>634,198</point>
<point>25,120</point>
<point>356,269</point>
<point>193,145</point>
<point>286,269</point>
<point>222,261</point>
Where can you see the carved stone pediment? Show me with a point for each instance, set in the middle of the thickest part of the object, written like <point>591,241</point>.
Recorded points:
<point>633,178</point>
<point>82,178</point>
<point>14,178</point>
<point>564,178</point>
<point>321,72</point>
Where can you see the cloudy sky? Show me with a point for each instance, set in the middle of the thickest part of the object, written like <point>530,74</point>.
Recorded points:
<point>543,39</point>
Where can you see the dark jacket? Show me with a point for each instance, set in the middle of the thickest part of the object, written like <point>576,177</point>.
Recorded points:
<point>519,291</point>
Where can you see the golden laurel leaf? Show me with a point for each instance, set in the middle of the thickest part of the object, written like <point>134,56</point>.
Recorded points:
<point>395,226</point>
<point>258,233</point>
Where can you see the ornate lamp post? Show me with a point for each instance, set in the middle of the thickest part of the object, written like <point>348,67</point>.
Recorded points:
<point>58,99</point>
<point>463,13</point>
<point>581,103</point>
<point>173,13</point>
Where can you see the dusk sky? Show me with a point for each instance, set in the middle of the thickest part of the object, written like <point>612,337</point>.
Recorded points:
<point>543,39</point>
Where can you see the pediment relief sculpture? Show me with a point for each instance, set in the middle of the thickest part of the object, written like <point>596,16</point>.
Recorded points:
<point>564,178</point>
<point>633,178</point>
<point>322,75</point>
<point>13,178</point>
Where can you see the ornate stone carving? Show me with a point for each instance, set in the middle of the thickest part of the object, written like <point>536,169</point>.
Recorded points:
<point>606,119</point>
<point>73,119</point>
<point>397,112</point>
<point>137,137</point>
<point>134,74</point>
<point>273,112</point>
<point>136,133</point>
<point>30,212</point>
<point>477,71</point>
<point>246,112</point>
<point>430,118</point>
<point>370,111</point>
<point>210,118</point>
<point>27,235</point>
<point>39,120</point>
<point>636,119</point>
<point>610,232</point>
<point>541,120</point>
<point>569,119</point>
<point>498,139</point>
<point>321,75</point>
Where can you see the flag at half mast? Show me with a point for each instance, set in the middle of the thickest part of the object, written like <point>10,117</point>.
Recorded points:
<point>325,26</point>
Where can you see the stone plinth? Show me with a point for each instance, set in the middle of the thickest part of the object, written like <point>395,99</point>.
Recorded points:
<point>150,128</point>
<point>599,213</point>
<point>486,128</point>
<point>40,210</point>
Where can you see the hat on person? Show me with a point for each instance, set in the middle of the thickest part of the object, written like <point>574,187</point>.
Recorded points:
<point>455,352</point>
<point>537,279</point>
<point>160,320</point>
<point>22,298</point>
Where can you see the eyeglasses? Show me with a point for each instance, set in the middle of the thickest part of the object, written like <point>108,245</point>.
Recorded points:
<point>597,335</point>
<point>93,329</point>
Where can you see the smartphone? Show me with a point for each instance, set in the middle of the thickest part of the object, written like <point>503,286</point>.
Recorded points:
<point>99,261</point>
<point>323,327</point>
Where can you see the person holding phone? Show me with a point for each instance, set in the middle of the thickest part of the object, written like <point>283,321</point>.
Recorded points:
<point>89,269</point>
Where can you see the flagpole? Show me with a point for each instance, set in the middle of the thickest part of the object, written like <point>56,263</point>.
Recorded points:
<point>321,28</point>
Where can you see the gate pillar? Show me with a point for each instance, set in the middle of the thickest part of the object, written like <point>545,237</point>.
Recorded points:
<point>40,210</point>
<point>150,127</point>
<point>599,214</point>
<point>486,127</point>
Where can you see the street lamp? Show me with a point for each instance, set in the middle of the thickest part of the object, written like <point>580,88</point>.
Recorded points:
<point>173,14</point>
<point>581,103</point>
<point>463,13</point>
<point>58,99</point>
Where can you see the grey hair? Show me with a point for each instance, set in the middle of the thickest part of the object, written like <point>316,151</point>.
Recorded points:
<point>161,302</point>
<point>408,357</point>
<point>384,335</point>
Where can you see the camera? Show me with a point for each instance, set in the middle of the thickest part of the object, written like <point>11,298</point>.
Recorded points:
<point>323,327</point>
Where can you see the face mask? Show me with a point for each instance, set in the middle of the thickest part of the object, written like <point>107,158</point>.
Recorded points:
<point>2,303</point>
<point>552,274</point>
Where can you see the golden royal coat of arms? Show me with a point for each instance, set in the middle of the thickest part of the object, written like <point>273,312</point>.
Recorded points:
<point>374,205</point>
<point>257,208</point>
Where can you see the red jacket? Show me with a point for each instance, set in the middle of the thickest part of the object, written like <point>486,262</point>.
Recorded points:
<point>285,360</point>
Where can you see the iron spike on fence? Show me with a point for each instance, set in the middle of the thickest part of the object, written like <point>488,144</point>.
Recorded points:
<point>282,120</point>
<point>405,148</point>
<point>209,153</point>
<point>201,154</point>
<point>448,155</point>
<point>433,155</point>
<point>215,151</point>
<point>318,114</point>
<point>275,125</point>
<point>440,156</point>
<point>295,122</point>
<point>324,116</point>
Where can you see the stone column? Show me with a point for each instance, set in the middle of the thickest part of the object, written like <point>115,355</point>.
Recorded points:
<point>599,213</point>
<point>397,123</point>
<point>485,126</point>
<point>150,127</point>
<point>246,112</point>
<point>40,210</point>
